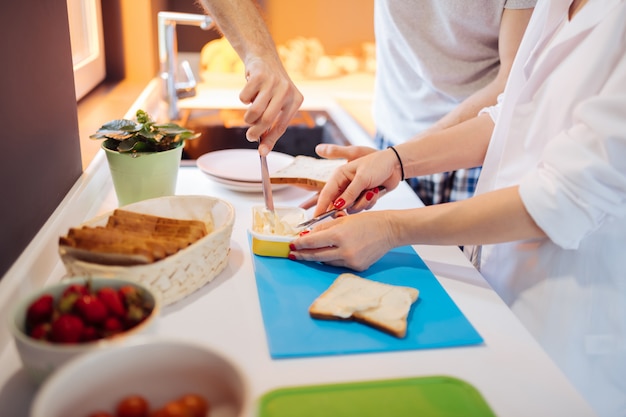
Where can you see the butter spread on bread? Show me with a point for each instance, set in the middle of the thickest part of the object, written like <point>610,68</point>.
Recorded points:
<point>383,306</point>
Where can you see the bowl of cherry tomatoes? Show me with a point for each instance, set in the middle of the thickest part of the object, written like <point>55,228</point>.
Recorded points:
<point>58,322</point>
<point>153,376</point>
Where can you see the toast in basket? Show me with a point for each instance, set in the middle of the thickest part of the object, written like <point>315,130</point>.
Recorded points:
<point>130,238</point>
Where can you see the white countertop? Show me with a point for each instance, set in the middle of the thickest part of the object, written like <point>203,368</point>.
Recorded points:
<point>511,371</point>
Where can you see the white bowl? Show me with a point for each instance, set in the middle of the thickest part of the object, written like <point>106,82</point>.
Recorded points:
<point>157,368</point>
<point>41,358</point>
<point>182,273</point>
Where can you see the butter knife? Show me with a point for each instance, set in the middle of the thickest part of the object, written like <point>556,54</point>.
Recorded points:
<point>317,219</point>
<point>332,212</point>
<point>267,186</point>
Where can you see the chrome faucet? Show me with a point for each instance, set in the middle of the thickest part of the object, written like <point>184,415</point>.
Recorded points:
<point>168,57</point>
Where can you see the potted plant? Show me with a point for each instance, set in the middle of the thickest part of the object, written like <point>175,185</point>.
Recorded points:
<point>143,156</point>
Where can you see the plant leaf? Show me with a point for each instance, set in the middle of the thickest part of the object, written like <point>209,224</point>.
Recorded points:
<point>111,144</point>
<point>188,135</point>
<point>143,147</point>
<point>144,135</point>
<point>112,134</point>
<point>170,129</point>
<point>127,145</point>
<point>122,124</point>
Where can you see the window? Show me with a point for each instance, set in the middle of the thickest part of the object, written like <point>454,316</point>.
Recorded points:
<point>85,21</point>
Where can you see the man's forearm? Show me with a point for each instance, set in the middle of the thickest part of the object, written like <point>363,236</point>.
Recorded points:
<point>244,27</point>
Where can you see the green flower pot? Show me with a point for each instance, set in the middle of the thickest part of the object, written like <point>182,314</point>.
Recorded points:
<point>141,176</point>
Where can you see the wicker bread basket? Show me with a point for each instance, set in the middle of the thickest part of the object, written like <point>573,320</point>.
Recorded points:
<point>180,274</point>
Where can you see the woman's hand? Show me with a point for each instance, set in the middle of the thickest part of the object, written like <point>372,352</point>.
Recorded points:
<point>329,151</point>
<point>352,179</point>
<point>273,99</point>
<point>355,241</point>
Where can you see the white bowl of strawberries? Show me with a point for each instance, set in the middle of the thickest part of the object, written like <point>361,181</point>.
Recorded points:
<point>59,322</point>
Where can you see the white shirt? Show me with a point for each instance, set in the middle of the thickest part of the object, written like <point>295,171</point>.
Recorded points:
<point>561,135</point>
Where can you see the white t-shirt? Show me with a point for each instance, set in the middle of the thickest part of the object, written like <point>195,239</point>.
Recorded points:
<point>431,55</point>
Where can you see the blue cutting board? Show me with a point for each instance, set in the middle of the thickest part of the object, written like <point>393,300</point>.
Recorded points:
<point>287,288</point>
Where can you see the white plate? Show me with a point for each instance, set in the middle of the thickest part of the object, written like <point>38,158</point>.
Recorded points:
<point>244,186</point>
<point>241,165</point>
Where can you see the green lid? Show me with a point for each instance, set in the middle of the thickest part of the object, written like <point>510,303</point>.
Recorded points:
<point>436,396</point>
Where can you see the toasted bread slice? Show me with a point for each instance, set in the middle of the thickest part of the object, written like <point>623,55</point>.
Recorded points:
<point>383,306</point>
<point>307,172</point>
<point>155,225</point>
<point>109,255</point>
<point>131,238</point>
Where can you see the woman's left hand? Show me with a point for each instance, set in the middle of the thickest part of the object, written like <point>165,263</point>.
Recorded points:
<point>353,241</point>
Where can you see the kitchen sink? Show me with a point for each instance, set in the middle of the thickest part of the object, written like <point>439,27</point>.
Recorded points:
<point>225,129</point>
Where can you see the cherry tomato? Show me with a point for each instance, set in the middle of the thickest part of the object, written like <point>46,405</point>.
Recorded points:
<point>196,405</point>
<point>133,406</point>
<point>172,409</point>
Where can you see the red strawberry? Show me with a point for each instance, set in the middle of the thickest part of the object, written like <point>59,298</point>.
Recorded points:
<point>89,334</point>
<point>67,328</point>
<point>130,295</point>
<point>41,331</point>
<point>113,300</point>
<point>79,289</point>
<point>112,325</point>
<point>40,310</point>
<point>70,295</point>
<point>91,309</point>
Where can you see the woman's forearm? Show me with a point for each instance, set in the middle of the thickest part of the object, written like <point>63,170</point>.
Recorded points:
<point>494,217</point>
<point>460,146</point>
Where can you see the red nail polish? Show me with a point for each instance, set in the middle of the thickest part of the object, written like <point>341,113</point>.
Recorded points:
<point>339,203</point>
<point>304,232</point>
<point>292,246</point>
<point>369,195</point>
<point>376,190</point>
<point>291,256</point>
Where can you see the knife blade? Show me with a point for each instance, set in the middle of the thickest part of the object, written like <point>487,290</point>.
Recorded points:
<point>267,186</point>
<point>332,212</point>
<point>314,220</point>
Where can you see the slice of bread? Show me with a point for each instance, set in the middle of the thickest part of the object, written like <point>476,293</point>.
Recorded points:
<point>383,306</point>
<point>307,172</point>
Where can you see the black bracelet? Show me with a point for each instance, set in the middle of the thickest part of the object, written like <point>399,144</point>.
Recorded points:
<point>399,160</point>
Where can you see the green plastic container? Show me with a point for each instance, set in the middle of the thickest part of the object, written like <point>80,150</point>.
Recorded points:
<point>436,396</point>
